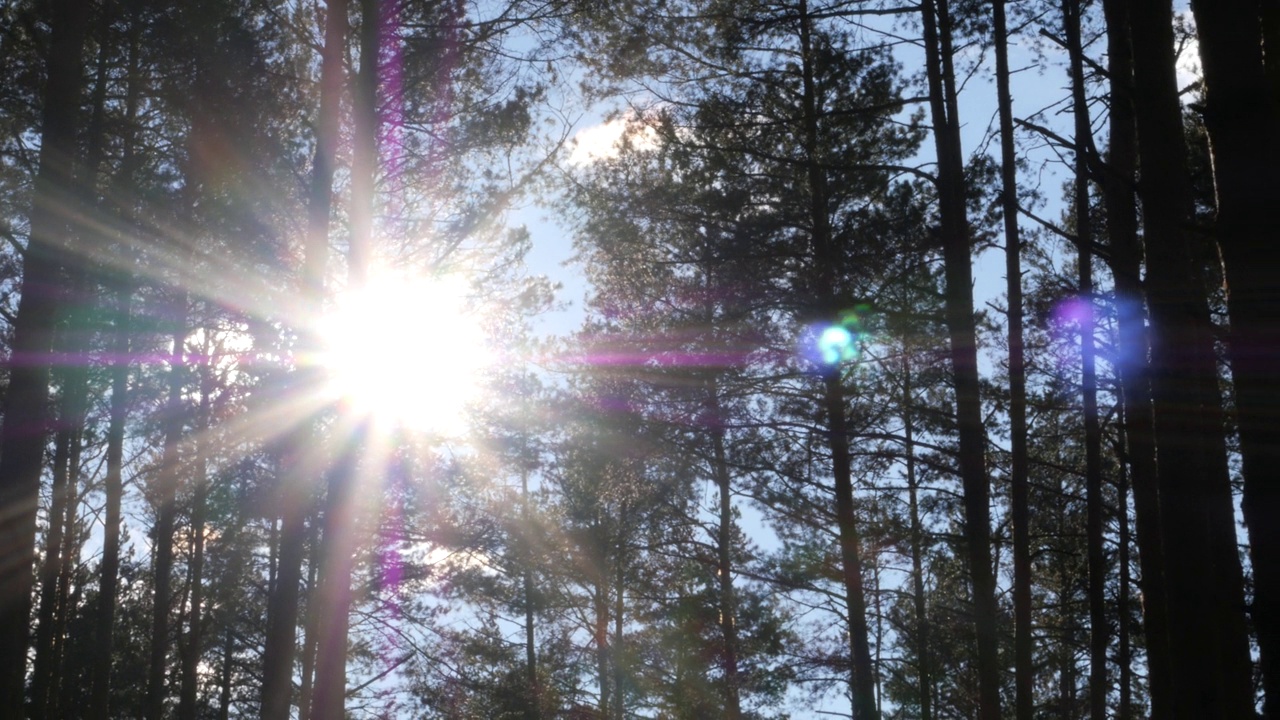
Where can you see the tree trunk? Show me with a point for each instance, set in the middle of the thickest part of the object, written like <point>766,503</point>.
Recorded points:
<point>306,689</point>
<point>862,680</point>
<point>340,525</point>
<point>166,512</point>
<point>44,669</point>
<point>534,709</point>
<point>224,684</point>
<point>922,643</point>
<point>1126,256</point>
<point>124,285</point>
<point>1240,115</point>
<point>619,687</point>
<point>601,630</point>
<point>1094,522</point>
<point>1124,710</point>
<point>963,336</point>
<point>193,646</point>
<point>25,430</point>
<point>297,489</point>
<point>114,491</point>
<point>1024,679</point>
<point>724,566</point>
<point>1208,641</point>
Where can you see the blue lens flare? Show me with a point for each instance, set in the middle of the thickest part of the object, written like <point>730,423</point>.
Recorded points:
<point>836,343</point>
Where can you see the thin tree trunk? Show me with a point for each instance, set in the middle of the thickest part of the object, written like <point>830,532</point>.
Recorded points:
<point>114,490</point>
<point>534,709</point>
<point>1023,643</point>
<point>311,639</point>
<point>25,429</point>
<point>724,567</point>
<point>619,688</point>
<point>1240,116</point>
<point>224,684</point>
<point>73,346</point>
<point>123,285</point>
<point>923,640</point>
<point>1124,711</point>
<point>51,569</point>
<point>339,510</point>
<point>1208,641</point>
<point>193,647</point>
<point>1094,522</point>
<point>862,680</point>
<point>601,630</point>
<point>166,513</point>
<point>339,537</point>
<point>1126,256</point>
<point>962,329</point>
<point>296,492</point>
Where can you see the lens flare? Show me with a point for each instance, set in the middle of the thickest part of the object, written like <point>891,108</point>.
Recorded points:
<point>839,342</point>
<point>836,345</point>
<point>409,352</point>
<point>1073,310</point>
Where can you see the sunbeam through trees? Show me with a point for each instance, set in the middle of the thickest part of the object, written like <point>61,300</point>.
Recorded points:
<point>665,359</point>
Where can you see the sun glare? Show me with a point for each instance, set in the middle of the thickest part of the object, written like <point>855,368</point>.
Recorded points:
<point>405,352</point>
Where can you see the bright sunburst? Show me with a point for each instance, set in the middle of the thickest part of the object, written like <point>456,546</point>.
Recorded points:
<point>405,351</point>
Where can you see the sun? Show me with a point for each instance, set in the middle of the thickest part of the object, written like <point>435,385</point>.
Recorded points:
<point>409,352</point>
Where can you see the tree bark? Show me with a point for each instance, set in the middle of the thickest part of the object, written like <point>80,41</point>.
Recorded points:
<point>124,285</point>
<point>1119,186</point>
<point>724,567</point>
<point>1208,640</point>
<point>1099,631</point>
<point>25,427</point>
<point>167,480</point>
<point>862,680</point>
<point>918,599</point>
<point>1240,115</point>
<point>194,645</point>
<point>1124,710</point>
<point>340,523</point>
<point>962,330</point>
<point>1023,643</point>
<point>297,491</point>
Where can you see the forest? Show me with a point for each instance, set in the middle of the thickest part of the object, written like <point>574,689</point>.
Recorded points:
<point>922,362</point>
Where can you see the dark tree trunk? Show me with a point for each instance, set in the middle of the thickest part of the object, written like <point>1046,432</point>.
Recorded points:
<point>224,681</point>
<point>44,670</point>
<point>340,525</point>
<point>114,490</point>
<point>1240,115</point>
<point>616,647</point>
<point>1124,654</point>
<point>1023,643</point>
<point>963,336</point>
<point>534,708</point>
<point>312,636</point>
<point>1099,634</point>
<point>601,630</point>
<point>863,686</point>
<point>1119,185</point>
<point>166,513</point>
<point>297,489</point>
<point>25,428</point>
<point>194,645</point>
<point>724,566</point>
<point>123,284</point>
<point>1208,640</point>
<point>862,682</point>
<point>922,643</point>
